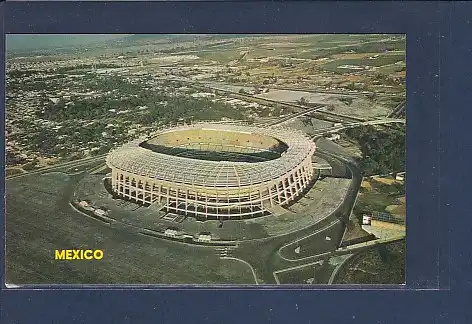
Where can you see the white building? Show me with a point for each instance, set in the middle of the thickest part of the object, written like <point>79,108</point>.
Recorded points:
<point>99,212</point>
<point>170,232</point>
<point>204,238</point>
<point>334,137</point>
<point>83,203</point>
<point>400,176</point>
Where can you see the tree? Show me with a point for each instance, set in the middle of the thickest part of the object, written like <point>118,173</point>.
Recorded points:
<point>29,166</point>
<point>277,109</point>
<point>302,101</point>
<point>382,151</point>
<point>371,96</point>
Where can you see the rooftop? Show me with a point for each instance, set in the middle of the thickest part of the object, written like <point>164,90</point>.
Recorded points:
<point>136,159</point>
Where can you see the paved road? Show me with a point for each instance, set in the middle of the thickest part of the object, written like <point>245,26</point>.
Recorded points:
<point>268,255</point>
<point>398,110</point>
<point>334,129</point>
<point>69,164</point>
<point>296,115</point>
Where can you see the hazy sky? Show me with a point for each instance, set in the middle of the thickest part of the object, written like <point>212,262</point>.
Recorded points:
<point>25,42</point>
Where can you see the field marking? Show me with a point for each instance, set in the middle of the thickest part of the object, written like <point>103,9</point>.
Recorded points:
<point>347,162</point>
<point>304,237</point>
<point>245,262</point>
<point>371,243</point>
<point>276,278</point>
<point>293,268</point>
<point>336,270</point>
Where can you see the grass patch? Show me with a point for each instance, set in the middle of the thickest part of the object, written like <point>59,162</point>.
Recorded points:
<point>372,201</point>
<point>10,172</point>
<point>388,186</point>
<point>40,220</point>
<point>310,274</point>
<point>384,264</point>
<point>378,196</point>
<point>378,61</point>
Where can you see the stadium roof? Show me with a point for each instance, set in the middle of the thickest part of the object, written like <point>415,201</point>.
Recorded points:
<point>141,161</point>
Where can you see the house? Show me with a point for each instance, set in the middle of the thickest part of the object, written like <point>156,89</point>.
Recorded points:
<point>334,137</point>
<point>400,176</point>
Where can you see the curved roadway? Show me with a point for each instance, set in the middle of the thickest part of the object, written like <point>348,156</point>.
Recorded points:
<point>278,253</point>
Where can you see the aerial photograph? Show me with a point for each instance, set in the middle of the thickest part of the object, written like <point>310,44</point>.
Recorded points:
<point>205,159</point>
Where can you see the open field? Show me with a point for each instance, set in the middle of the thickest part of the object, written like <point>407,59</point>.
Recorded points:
<point>361,107</point>
<point>381,194</point>
<point>13,171</point>
<point>310,274</point>
<point>384,264</point>
<point>39,220</point>
<point>379,61</point>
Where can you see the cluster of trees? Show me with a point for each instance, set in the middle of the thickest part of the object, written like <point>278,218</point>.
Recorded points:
<point>31,165</point>
<point>53,82</point>
<point>81,109</point>
<point>97,108</point>
<point>383,151</point>
<point>12,158</point>
<point>346,100</point>
<point>160,108</point>
<point>15,83</point>
<point>189,109</point>
<point>172,50</point>
<point>47,141</point>
<point>388,80</point>
<point>302,101</point>
<point>99,65</point>
<point>330,107</point>
<point>270,80</point>
<point>109,83</point>
<point>20,73</point>
<point>175,108</point>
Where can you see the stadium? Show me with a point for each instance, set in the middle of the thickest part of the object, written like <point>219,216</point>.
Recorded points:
<point>214,170</point>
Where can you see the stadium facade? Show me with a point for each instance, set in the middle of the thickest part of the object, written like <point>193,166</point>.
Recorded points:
<point>214,170</point>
